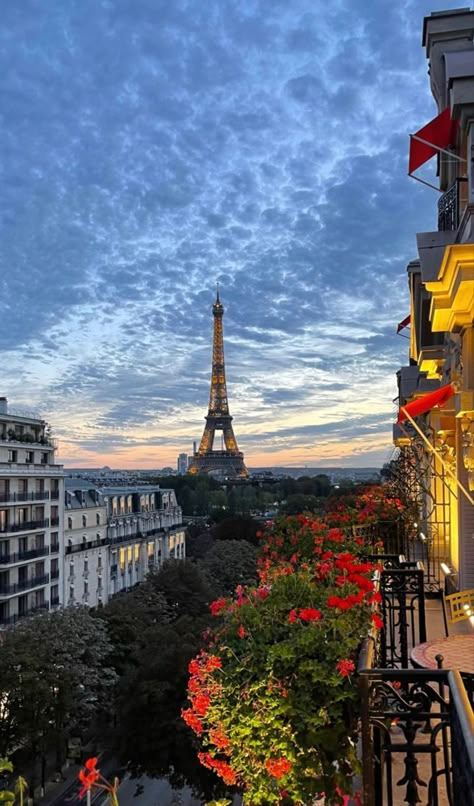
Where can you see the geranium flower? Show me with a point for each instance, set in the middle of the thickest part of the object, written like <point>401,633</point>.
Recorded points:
<point>293,616</point>
<point>310,614</point>
<point>218,606</point>
<point>89,776</point>
<point>277,767</point>
<point>377,621</point>
<point>345,667</point>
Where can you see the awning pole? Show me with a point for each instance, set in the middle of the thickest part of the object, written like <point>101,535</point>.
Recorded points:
<point>433,450</point>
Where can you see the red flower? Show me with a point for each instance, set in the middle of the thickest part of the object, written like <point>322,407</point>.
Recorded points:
<point>241,631</point>
<point>333,601</point>
<point>277,767</point>
<point>192,720</point>
<point>217,606</point>
<point>377,621</point>
<point>345,667</point>
<point>88,779</point>
<point>310,614</point>
<point>376,598</point>
<point>293,616</point>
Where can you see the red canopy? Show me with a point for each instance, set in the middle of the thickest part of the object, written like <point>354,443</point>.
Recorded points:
<point>404,323</point>
<point>440,132</point>
<point>423,404</point>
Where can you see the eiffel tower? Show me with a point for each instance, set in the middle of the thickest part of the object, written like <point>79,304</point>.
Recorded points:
<point>228,462</point>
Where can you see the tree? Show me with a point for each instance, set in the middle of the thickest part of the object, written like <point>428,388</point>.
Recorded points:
<point>300,503</point>
<point>54,679</point>
<point>151,736</point>
<point>238,527</point>
<point>231,563</point>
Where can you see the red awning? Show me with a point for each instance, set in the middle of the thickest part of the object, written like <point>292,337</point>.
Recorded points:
<point>424,404</point>
<point>404,323</point>
<point>439,133</point>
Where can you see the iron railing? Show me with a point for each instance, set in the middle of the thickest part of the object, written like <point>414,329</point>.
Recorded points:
<point>26,526</point>
<point>403,613</point>
<point>416,731</point>
<point>449,207</point>
<point>11,498</point>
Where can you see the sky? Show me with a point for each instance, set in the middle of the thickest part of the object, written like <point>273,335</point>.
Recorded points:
<point>151,148</point>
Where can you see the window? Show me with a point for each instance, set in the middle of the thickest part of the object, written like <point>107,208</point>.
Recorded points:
<point>44,458</point>
<point>71,593</point>
<point>12,456</point>
<point>98,537</point>
<point>86,589</point>
<point>71,569</point>
<point>99,561</point>
<point>86,566</point>
<point>69,523</point>
<point>30,458</point>
<point>97,519</point>
<point>54,541</point>
<point>84,521</point>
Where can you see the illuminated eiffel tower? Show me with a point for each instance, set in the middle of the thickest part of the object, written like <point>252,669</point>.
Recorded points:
<point>228,461</point>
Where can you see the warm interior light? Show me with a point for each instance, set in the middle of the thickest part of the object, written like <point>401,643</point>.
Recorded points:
<point>445,569</point>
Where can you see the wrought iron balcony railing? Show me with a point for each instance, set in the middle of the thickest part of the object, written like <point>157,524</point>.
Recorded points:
<point>11,498</point>
<point>26,526</point>
<point>449,206</point>
<point>410,716</point>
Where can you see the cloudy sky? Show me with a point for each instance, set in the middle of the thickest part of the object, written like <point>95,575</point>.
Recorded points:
<point>150,148</point>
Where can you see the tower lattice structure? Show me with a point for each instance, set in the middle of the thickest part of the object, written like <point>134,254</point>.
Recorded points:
<point>229,460</point>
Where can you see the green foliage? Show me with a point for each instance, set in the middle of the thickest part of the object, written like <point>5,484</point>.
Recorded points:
<point>54,679</point>
<point>231,563</point>
<point>271,698</point>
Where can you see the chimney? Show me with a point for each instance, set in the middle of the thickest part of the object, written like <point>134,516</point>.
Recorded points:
<point>3,405</point>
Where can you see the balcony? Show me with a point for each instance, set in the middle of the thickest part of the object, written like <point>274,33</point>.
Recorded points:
<point>54,522</point>
<point>21,556</point>
<point>26,526</point>
<point>12,498</point>
<point>55,573</point>
<point>450,205</point>
<point>91,544</point>
<point>38,442</point>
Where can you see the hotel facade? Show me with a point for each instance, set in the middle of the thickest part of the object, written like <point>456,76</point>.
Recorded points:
<point>441,283</point>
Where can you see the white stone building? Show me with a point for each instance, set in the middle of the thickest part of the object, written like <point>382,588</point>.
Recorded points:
<point>145,529</point>
<point>86,567</point>
<point>114,536</point>
<point>31,517</point>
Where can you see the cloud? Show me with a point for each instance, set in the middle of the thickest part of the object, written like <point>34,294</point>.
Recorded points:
<point>152,149</point>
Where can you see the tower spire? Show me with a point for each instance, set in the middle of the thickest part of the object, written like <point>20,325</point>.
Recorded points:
<point>229,460</point>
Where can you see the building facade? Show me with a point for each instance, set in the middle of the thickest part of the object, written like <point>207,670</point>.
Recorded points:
<point>144,529</point>
<point>114,536</point>
<point>441,282</point>
<point>86,565</point>
<point>182,464</point>
<point>31,517</point>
